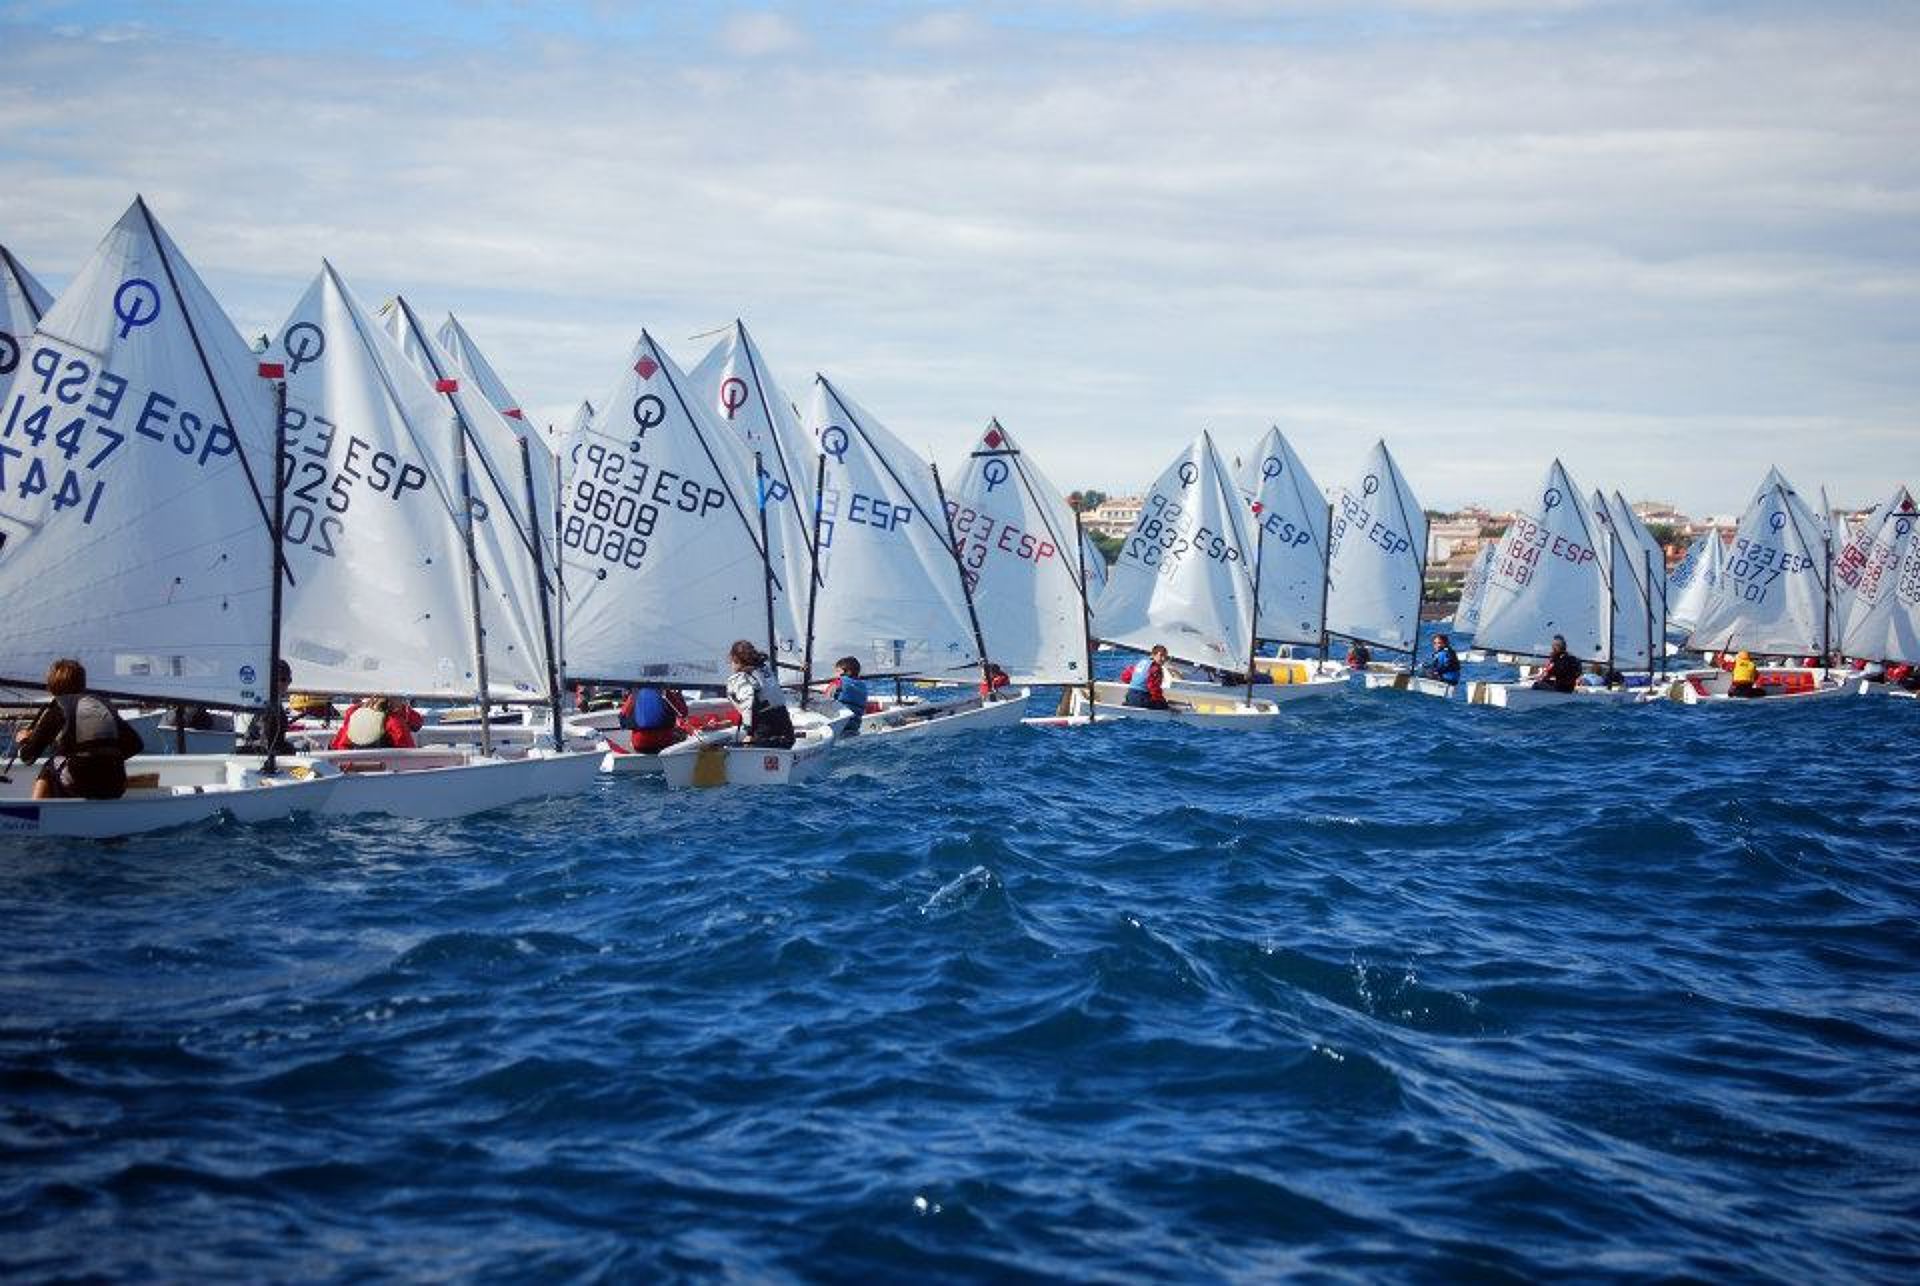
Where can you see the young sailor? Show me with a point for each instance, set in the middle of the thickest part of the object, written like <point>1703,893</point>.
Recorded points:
<point>995,680</point>
<point>1146,680</point>
<point>1444,664</point>
<point>268,728</point>
<point>1746,677</point>
<point>91,743</point>
<point>1359,656</point>
<point>378,723</point>
<point>764,720</point>
<point>653,714</point>
<point>1562,671</point>
<point>849,689</point>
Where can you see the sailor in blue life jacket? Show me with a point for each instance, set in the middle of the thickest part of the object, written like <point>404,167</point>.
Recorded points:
<point>850,690</point>
<point>1444,664</point>
<point>1146,680</point>
<point>91,743</point>
<point>653,714</point>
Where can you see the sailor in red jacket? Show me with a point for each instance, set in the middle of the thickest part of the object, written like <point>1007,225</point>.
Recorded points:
<point>378,723</point>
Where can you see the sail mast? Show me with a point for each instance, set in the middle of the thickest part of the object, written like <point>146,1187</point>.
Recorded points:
<point>273,720</point>
<point>546,607</point>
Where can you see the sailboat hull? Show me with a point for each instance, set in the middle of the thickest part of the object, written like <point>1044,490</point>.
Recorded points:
<point>1415,683</point>
<point>1524,696</point>
<point>439,783</point>
<point>691,764</point>
<point>165,791</point>
<point>915,720</point>
<point>1215,709</point>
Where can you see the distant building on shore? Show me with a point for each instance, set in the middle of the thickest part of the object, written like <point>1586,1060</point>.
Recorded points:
<point>1115,515</point>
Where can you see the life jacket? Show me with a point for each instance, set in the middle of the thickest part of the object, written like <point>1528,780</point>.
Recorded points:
<point>87,727</point>
<point>1144,676</point>
<point>851,692</point>
<point>1745,671</point>
<point>367,729</point>
<point>646,710</point>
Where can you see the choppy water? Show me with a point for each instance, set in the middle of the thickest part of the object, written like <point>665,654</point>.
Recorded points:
<point>1402,990</point>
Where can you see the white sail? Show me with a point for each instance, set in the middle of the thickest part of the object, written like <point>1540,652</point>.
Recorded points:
<point>1185,576</point>
<point>1695,581</point>
<point>1773,598</point>
<point>472,364</point>
<point>379,601</point>
<point>1883,622</point>
<point>514,585</point>
<point>23,302</point>
<point>889,591</point>
<point>660,533</point>
<point>1098,568</point>
<point>1635,620</point>
<point>738,390</point>
<point>1850,555</point>
<point>1016,539</point>
<point>1548,578</point>
<point>1377,551</point>
<point>1290,541</point>
<point>136,485</point>
<point>1473,592</point>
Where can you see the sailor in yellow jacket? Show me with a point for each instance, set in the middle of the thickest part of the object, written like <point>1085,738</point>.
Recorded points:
<point>1746,677</point>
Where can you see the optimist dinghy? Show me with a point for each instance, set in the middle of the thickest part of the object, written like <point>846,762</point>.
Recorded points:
<point>1775,598</point>
<point>1291,532</point>
<point>421,567</point>
<point>1376,567</point>
<point>1553,575</point>
<point>175,529</point>
<point>1184,579</point>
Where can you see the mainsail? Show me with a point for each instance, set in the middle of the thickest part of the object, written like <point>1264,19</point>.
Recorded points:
<point>1696,580</point>
<point>513,590</point>
<point>1473,592</point>
<point>1016,539</point>
<point>888,589</point>
<point>136,485</point>
<point>737,389</point>
<point>1185,575</point>
<point>1548,578</point>
<point>1290,541</point>
<point>23,302</point>
<point>1883,623</point>
<point>1850,555</point>
<point>1631,612</point>
<point>379,600</point>
<point>541,462</point>
<point>1774,596</point>
<point>1377,553</point>
<point>660,532</point>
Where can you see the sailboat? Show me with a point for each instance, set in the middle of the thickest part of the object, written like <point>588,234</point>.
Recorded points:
<point>1776,599</point>
<point>1883,620</point>
<point>407,578</point>
<point>1290,520</point>
<point>1637,593</point>
<point>1025,561</point>
<point>665,552</point>
<point>23,301</point>
<point>138,532</point>
<point>1551,576</point>
<point>1695,581</point>
<point>890,588</point>
<point>1185,580</point>
<point>1473,592</point>
<point>1377,568</point>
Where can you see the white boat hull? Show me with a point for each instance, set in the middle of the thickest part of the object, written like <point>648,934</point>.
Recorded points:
<point>1415,683</point>
<point>440,782</point>
<point>165,791</point>
<point>1717,693</point>
<point>916,719</point>
<point>692,764</point>
<point>1524,696</point>
<point>1217,708</point>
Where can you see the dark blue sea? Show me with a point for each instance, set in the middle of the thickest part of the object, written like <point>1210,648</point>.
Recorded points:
<point>1399,991</point>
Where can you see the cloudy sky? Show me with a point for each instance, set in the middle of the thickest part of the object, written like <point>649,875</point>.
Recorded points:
<point>1671,242</point>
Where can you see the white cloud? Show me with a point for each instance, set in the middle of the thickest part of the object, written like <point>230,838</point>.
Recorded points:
<point>760,35</point>
<point>1670,252</point>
